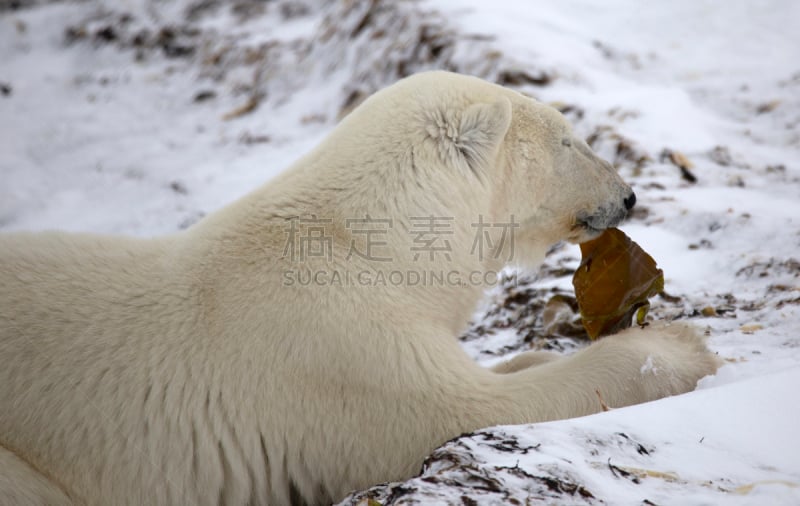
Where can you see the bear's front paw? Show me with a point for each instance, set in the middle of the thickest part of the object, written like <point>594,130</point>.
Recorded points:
<point>674,358</point>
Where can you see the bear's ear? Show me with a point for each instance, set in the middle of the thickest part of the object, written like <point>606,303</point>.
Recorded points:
<point>473,139</point>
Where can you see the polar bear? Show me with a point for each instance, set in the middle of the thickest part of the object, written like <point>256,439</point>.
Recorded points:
<point>301,343</point>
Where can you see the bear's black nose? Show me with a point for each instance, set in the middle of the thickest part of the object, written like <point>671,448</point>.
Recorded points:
<point>630,201</point>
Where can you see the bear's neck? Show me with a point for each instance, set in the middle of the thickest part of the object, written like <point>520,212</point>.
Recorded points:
<point>358,231</point>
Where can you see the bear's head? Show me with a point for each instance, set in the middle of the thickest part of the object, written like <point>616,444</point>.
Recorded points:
<point>447,145</point>
<point>541,177</point>
<point>552,181</point>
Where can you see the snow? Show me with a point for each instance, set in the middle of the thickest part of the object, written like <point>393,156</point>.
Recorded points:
<point>692,447</point>
<point>94,138</point>
<point>660,452</point>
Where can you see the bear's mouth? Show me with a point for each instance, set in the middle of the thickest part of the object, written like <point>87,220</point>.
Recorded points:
<point>589,226</point>
<point>583,231</point>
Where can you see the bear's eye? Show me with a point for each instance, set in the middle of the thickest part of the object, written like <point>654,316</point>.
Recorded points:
<point>566,141</point>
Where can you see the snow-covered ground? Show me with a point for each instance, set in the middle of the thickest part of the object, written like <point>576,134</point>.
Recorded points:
<point>141,116</point>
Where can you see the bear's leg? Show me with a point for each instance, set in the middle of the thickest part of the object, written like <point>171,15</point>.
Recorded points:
<point>22,484</point>
<point>631,367</point>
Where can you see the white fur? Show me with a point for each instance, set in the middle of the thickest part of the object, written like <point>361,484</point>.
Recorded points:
<point>187,370</point>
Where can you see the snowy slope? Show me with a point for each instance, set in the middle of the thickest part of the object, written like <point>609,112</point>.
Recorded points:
<point>668,452</point>
<point>127,117</point>
<point>96,138</point>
